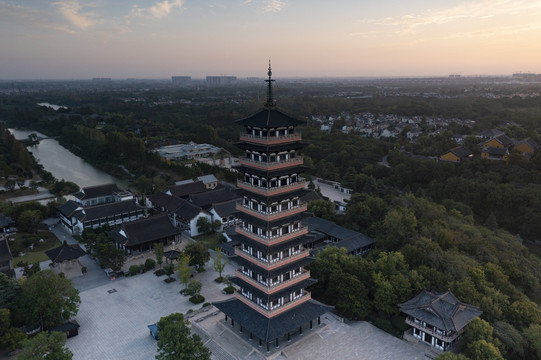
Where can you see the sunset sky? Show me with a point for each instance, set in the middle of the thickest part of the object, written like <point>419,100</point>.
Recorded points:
<point>304,38</point>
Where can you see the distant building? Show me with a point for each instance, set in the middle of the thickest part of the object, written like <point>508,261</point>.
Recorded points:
<point>221,80</point>
<point>143,234</point>
<point>187,151</point>
<point>501,141</point>
<point>495,154</point>
<point>457,154</point>
<point>527,147</point>
<point>437,320</point>
<point>101,194</point>
<point>76,218</point>
<point>103,80</point>
<point>181,80</point>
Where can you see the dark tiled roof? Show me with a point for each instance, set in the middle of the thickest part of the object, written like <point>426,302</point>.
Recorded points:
<point>182,191</point>
<point>225,209</point>
<point>349,239</point>
<point>207,198</point>
<point>491,133</point>
<point>110,209</point>
<point>461,152</point>
<point>68,208</point>
<point>147,230</point>
<point>96,191</point>
<point>268,329</point>
<point>530,142</point>
<point>65,327</point>
<point>496,151</point>
<point>5,252</point>
<point>443,311</point>
<point>166,201</point>
<point>65,252</point>
<point>271,148</point>
<point>269,118</point>
<point>504,140</point>
<point>188,210</point>
<point>5,221</point>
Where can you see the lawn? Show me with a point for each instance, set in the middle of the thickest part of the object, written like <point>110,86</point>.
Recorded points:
<point>23,241</point>
<point>210,240</point>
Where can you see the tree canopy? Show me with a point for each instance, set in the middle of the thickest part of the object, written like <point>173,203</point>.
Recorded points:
<point>177,342</point>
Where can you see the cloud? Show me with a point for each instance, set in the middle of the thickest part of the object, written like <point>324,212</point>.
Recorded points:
<point>71,10</point>
<point>162,9</point>
<point>273,5</point>
<point>466,11</point>
<point>29,18</point>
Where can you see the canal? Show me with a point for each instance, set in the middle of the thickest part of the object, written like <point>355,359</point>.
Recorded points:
<point>65,165</point>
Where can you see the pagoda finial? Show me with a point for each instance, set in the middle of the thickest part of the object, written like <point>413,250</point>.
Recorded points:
<point>270,98</point>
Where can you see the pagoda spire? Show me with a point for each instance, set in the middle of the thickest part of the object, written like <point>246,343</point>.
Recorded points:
<point>270,98</point>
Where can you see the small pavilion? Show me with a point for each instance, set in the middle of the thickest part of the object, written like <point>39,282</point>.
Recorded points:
<point>65,259</point>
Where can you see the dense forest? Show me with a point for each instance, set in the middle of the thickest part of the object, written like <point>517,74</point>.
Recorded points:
<point>470,228</point>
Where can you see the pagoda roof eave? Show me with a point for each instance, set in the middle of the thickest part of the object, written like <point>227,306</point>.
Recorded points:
<point>270,118</point>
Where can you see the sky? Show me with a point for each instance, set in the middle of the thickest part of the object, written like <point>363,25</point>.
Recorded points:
<point>79,39</point>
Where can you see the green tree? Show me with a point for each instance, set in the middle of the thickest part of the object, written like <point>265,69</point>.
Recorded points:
<point>9,290</point>
<point>10,337</point>
<point>219,262</point>
<point>47,299</point>
<point>203,225</point>
<point>107,253</point>
<point>48,347</point>
<point>194,288</point>
<point>198,253</point>
<point>169,270</point>
<point>483,350</point>
<point>533,335</point>
<point>451,356</point>
<point>524,312</point>
<point>158,251</point>
<point>183,268</point>
<point>512,340</point>
<point>177,342</point>
<point>29,220</point>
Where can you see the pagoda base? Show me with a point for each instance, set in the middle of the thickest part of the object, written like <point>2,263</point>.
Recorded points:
<point>270,329</point>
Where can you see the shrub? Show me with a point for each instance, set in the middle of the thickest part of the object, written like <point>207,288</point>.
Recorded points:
<point>230,289</point>
<point>207,304</point>
<point>220,279</point>
<point>169,280</point>
<point>197,299</point>
<point>159,272</point>
<point>150,264</point>
<point>134,269</point>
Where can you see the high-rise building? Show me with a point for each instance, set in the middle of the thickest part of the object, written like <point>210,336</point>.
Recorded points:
<point>271,302</point>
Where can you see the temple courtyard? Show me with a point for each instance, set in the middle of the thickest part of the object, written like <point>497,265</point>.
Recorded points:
<point>114,319</point>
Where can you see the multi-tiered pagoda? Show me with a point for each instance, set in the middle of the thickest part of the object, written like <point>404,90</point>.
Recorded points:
<point>271,302</point>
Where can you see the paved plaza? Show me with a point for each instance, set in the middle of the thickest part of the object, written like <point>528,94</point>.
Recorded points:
<point>114,316</point>
<point>114,319</point>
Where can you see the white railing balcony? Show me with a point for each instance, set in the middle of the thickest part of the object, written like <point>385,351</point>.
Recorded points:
<point>430,330</point>
<point>273,190</point>
<point>277,310</point>
<point>305,274</point>
<point>271,165</point>
<point>273,239</point>
<point>268,265</point>
<point>270,140</point>
<point>274,215</point>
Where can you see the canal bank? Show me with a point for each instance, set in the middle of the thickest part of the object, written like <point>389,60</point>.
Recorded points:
<point>63,164</point>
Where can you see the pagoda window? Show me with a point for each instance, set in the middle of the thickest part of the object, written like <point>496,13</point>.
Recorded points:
<point>283,182</point>
<point>272,158</point>
<point>272,133</point>
<point>275,303</point>
<point>296,249</point>
<point>285,230</point>
<point>273,183</point>
<point>264,133</point>
<point>264,158</point>
<point>263,208</point>
<point>295,202</point>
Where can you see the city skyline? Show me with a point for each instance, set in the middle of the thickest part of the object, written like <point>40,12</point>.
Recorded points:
<point>157,39</point>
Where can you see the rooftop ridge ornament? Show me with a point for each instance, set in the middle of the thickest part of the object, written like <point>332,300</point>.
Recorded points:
<point>270,98</point>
